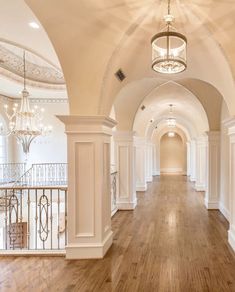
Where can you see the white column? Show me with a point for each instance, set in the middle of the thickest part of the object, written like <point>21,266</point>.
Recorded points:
<point>213,171</point>
<point>140,145</point>
<point>89,191</point>
<point>231,133</point>
<point>193,160</point>
<point>155,169</point>
<point>201,164</point>
<point>149,162</point>
<point>188,159</point>
<point>157,147</point>
<point>125,159</point>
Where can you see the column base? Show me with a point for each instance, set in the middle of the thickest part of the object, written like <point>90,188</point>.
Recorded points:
<point>231,237</point>
<point>89,251</point>
<point>149,179</point>
<point>126,205</point>
<point>200,188</point>
<point>141,187</point>
<point>192,179</point>
<point>211,205</point>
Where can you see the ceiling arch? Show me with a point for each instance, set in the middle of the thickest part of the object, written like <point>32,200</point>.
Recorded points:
<point>124,29</point>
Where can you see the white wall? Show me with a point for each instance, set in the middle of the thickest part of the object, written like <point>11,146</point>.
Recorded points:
<point>224,170</point>
<point>51,148</point>
<point>172,155</point>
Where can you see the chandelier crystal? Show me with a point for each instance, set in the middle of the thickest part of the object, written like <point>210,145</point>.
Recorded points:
<point>169,48</point>
<point>171,121</point>
<point>25,123</point>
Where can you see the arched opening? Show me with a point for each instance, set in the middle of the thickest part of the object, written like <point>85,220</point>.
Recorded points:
<point>173,154</point>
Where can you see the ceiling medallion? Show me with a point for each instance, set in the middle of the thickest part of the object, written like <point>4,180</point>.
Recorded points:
<point>25,123</point>
<point>169,48</point>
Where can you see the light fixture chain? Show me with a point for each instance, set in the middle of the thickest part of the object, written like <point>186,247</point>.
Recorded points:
<point>24,71</point>
<point>169,7</point>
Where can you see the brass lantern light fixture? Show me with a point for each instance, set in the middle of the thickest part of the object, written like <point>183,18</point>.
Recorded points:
<point>171,121</point>
<point>169,48</point>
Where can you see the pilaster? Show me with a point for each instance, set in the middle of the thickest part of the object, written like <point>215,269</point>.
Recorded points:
<point>213,170</point>
<point>89,190</point>
<point>125,158</point>
<point>201,164</point>
<point>149,162</point>
<point>230,124</point>
<point>193,160</point>
<point>188,159</point>
<point>141,181</point>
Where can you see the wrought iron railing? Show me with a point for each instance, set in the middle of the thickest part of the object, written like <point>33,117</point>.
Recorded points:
<point>33,219</point>
<point>10,172</point>
<point>113,192</point>
<point>45,174</point>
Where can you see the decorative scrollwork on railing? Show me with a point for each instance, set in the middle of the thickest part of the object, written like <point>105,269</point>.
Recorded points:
<point>10,172</point>
<point>15,230</point>
<point>45,174</point>
<point>113,190</point>
<point>43,218</point>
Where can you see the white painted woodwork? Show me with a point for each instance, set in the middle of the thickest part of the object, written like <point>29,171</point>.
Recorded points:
<point>213,170</point>
<point>188,159</point>
<point>126,181</point>
<point>231,132</point>
<point>193,160</point>
<point>141,181</point>
<point>149,162</point>
<point>89,191</point>
<point>201,163</point>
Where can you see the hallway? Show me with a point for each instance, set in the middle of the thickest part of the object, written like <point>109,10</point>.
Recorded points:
<point>170,242</point>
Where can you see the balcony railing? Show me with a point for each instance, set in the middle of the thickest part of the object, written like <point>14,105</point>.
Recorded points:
<point>113,192</point>
<point>45,174</point>
<point>10,172</point>
<point>33,220</point>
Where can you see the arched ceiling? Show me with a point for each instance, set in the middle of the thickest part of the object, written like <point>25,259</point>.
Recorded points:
<point>43,72</point>
<point>93,39</point>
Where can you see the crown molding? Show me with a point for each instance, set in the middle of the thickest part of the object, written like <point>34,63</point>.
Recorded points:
<point>4,98</point>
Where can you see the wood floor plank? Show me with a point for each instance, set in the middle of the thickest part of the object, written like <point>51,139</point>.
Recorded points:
<point>170,242</point>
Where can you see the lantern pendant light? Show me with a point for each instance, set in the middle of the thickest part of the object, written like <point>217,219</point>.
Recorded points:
<point>169,48</point>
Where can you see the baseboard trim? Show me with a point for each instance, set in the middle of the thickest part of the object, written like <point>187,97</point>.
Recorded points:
<point>200,188</point>
<point>126,205</point>
<point>172,170</point>
<point>114,211</point>
<point>224,211</point>
<point>211,205</point>
<point>89,251</point>
<point>141,188</point>
<point>231,238</point>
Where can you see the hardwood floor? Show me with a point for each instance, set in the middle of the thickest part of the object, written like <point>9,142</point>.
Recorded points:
<point>169,243</point>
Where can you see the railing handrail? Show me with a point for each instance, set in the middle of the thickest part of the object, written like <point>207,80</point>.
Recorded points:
<point>35,187</point>
<point>6,163</point>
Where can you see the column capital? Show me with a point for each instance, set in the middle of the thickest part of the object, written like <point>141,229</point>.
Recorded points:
<point>213,135</point>
<point>230,125</point>
<point>202,140</point>
<point>87,124</point>
<point>140,141</point>
<point>127,136</point>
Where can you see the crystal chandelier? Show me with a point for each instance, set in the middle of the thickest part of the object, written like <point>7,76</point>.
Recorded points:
<point>25,123</point>
<point>169,48</point>
<point>171,121</point>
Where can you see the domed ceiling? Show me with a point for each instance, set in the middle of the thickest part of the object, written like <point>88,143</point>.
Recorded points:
<point>44,77</point>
